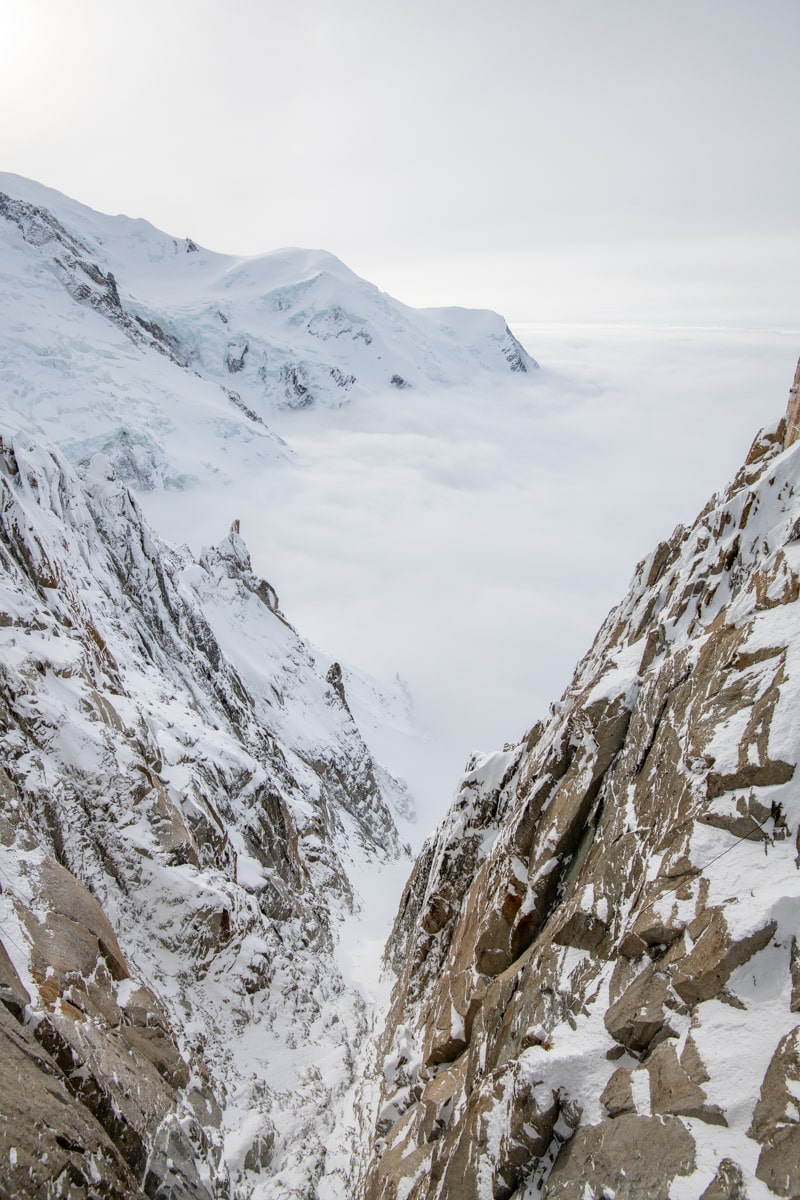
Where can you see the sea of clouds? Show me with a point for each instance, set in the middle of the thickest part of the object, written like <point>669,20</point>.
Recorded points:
<point>471,541</point>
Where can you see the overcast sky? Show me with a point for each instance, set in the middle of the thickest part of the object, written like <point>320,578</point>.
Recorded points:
<point>564,160</point>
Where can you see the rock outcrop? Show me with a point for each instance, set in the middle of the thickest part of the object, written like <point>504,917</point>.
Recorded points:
<point>596,954</point>
<point>793,410</point>
<point>182,794</point>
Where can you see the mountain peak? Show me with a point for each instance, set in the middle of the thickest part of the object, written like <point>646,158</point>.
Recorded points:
<point>206,341</point>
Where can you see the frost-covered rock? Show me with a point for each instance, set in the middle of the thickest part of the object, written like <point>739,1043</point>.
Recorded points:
<point>184,794</point>
<point>596,955</point>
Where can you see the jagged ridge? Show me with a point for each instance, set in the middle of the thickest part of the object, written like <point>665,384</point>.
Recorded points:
<point>183,795</point>
<point>598,973</point>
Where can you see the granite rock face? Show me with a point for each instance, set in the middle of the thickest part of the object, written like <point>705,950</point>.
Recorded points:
<point>596,954</point>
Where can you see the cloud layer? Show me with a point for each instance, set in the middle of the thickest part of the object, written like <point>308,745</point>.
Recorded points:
<point>473,541</point>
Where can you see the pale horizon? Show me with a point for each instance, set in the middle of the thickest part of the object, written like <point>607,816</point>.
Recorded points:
<point>577,162</point>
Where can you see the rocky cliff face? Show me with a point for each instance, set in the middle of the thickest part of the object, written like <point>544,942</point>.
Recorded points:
<point>597,955</point>
<point>183,794</point>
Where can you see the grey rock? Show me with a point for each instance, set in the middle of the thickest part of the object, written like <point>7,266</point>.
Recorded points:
<point>727,1184</point>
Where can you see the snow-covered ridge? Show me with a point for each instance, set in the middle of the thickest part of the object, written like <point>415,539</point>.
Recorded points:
<point>192,340</point>
<point>186,803</point>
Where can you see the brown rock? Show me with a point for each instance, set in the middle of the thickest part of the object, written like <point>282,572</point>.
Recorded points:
<point>12,992</point>
<point>122,1089</point>
<point>121,1066</point>
<point>779,1162</point>
<point>750,775</point>
<point>775,1124</point>
<point>617,1096</point>
<point>692,1063</point>
<point>528,1134</point>
<point>631,945</point>
<point>727,1184</point>
<point>160,1050</point>
<point>708,966</point>
<point>75,934</point>
<point>400,1163</point>
<point>639,1015</point>
<point>672,1091</point>
<point>655,930</point>
<point>469,1173</point>
<point>633,1157</point>
<point>743,817</point>
<point>166,821</point>
<point>793,412</point>
<point>144,1010</point>
<point>50,1144</point>
<point>585,931</point>
<point>440,1089</point>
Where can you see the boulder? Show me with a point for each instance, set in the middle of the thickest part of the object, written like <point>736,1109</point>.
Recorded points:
<point>673,1091</point>
<point>704,971</point>
<point>617,1095</point>
<point>629,1158</point>
<point>640,1013</point>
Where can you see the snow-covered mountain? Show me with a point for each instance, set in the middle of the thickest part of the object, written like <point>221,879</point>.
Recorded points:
<point>595,962</point>
<point>597,955</point>
<point>169,358</point>
<point>190,806</point>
